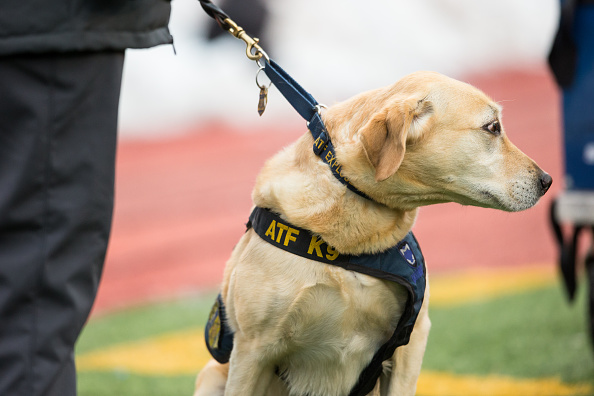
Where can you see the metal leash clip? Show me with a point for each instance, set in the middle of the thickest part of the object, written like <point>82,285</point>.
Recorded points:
<point>253,50</point>
<point>255,53</point>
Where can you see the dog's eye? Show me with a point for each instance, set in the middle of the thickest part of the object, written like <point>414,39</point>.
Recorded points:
<point>493,127</point>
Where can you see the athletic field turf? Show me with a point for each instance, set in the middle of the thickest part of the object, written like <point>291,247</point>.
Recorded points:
<point>495,332</point>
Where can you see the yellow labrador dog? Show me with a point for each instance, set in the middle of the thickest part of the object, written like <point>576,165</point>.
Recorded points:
<point>302,327</point>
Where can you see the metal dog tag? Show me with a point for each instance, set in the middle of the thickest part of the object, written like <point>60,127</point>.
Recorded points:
<point>263,100</point>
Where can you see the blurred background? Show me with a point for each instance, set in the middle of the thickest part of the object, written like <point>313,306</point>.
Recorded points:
<point>334,48</point>
<point>191,145</point>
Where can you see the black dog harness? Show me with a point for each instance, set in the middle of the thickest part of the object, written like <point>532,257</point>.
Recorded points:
<point>403,264</point>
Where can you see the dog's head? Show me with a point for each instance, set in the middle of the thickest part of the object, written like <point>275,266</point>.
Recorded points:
<point>431,139</point>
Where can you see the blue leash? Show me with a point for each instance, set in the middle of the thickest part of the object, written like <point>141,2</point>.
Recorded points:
<point>309,109</point>
<point>299,98</point>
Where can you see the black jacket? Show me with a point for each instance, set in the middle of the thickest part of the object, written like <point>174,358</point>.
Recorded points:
<point>38,26</point>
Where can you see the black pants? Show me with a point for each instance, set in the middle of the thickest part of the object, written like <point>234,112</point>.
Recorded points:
<point>58,122</point>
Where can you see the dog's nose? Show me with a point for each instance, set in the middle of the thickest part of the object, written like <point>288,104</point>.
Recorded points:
<point>545,182</point>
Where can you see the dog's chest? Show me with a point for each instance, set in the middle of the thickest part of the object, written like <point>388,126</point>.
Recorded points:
<point>332,333</point>
<point>320,325</point>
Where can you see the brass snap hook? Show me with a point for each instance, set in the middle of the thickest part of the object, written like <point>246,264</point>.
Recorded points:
<point>253,49</point>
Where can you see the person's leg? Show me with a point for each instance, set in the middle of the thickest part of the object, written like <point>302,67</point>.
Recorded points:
<point>58,123</point>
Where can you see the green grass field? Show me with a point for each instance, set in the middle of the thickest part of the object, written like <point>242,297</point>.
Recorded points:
<point>528,335</point>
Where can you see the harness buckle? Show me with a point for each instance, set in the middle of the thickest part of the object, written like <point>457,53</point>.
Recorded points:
<point>319,108</point>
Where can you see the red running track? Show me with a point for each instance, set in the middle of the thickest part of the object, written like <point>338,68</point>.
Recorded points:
<point>181,203</point>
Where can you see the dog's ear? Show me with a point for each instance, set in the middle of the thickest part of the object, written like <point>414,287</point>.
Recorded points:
<point>385,135</point>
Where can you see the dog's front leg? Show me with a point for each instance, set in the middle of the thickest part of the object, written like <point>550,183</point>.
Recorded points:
<point>250,372</point>
<point>212,379</point>
<point>407,360</point>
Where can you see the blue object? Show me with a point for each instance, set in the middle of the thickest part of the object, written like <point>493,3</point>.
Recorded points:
<point>578,106</point>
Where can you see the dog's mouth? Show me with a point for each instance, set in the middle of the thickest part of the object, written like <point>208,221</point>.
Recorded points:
<point>480,196</point>
<point>513,204</point>
<point>493,201</point>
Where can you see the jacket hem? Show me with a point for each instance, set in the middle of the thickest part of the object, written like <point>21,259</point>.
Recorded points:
<point>87,41</point>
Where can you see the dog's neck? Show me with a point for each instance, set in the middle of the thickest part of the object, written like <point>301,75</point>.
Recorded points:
<point>300,187</point>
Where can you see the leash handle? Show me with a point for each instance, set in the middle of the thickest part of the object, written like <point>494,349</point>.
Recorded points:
<point>216,13</point>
